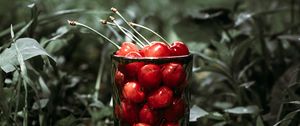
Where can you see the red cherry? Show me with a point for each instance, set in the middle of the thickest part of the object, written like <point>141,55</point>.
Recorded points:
<point>141,124</point>
<point>173,74</point>
<point>149,76</point>
<point>171,124</point>
<point>157,49</point>
<point>127,47</point>
<point>132,91</point>
<point>142,51</point>
<point>119,79</point>
<point>160,98</point>
<point>179,48</point>
<point>175,111</point>
<point>127,112</point>
<point>131,69</point>
<point>148,115</point>
<point>133,54</point>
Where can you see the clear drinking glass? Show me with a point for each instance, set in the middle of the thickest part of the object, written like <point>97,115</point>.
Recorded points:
<point>152,91</point>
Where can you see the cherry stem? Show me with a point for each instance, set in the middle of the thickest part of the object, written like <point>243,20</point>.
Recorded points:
<point>124,30</point>
<point>117,12</point>
<point>75,23</point>
<point>146,28</point>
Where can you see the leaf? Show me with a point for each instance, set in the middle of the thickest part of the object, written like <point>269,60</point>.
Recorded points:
<point>190,29</point>
<point>243,110</point>
<point>28,48</point>
<point>259,121</point>
<point>247,84</point>
<point>222,105</point>
<point>40,104</point>
<point>215,116</point>
<point>102,113</point>
<point>293,38</point>
<point>287,119</point>
<point>196,113</point>
<point>68,121</point>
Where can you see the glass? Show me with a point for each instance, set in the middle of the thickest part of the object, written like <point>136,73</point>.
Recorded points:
<point>152,91</point>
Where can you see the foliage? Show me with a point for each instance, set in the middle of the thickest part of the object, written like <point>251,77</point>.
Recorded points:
<point>246,59</point>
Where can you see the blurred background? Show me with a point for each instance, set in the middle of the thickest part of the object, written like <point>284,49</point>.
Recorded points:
<point>246,59</point>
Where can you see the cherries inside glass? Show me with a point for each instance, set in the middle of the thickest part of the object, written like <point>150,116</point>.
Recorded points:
<point>151,91</point>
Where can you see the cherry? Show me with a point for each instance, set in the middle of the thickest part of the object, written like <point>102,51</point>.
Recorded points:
<point>149,76</point>
<point>143,50</point>
<point>179,48</point>
<point>175,111</point>
<point>157,49</point>
<point>127,47</point>
<point>148,115</point>
<point>173,74</point>
<point>141,124</point>
<point>119,78</point>
<point>132,69</point>
<point>132,91</point>
<point>171,124</point>
<point>160,98</point>
<point>127,112</point>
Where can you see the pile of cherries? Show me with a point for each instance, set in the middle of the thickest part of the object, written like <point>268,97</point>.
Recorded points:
<point>148,93</point>
<point>151,94</point>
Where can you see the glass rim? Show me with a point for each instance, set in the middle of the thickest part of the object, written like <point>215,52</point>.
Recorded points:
<point>183,58</point>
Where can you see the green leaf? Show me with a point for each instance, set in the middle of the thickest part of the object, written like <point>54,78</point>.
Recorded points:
<point>40,104</point>
<point>243,110</point>
<point>287,119</point>
<point>259,121</point>
<point>28,48</point>
<point>68,121</point>
<point>202,31</point>
<point>196,113</point>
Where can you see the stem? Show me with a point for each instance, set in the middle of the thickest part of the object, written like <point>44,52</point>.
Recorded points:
<point>18,97</point>
<point>126,32</point>
<point>99,77</point>
<point>25,109</point>
<point>146,28</point>
<point>117,12</point>
<point>74,23</point>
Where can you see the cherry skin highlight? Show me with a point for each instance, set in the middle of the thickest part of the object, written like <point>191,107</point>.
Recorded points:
<point>127,112</point>
<point>179,48</point>
<point>131,69</point>
<point>149,76</point>
<point>148,115</point>
<point>160,98</point>
<point>119,79</point>
<point>173,74</point>
<point>127,47</point>
<point>132,91</point>
<point>178,107</point>
<point>157,49</point>
<point>141,124</point>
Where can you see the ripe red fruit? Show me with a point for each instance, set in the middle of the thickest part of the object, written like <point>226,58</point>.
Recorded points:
<point>142,51</point>
<point>148,115</point>
<point>173,74</point>
<point>141,124</point>
<point>179,48</point>
<point>160,98</point>
<point>175,111</point>
<point>119,78</point>
<point>157,49</point>
<point>127,112</point>
<point>171,124</point>
<point>149,76</point>
<point>132,69</point>
<point>127,47</point>
<point>132,91</point>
